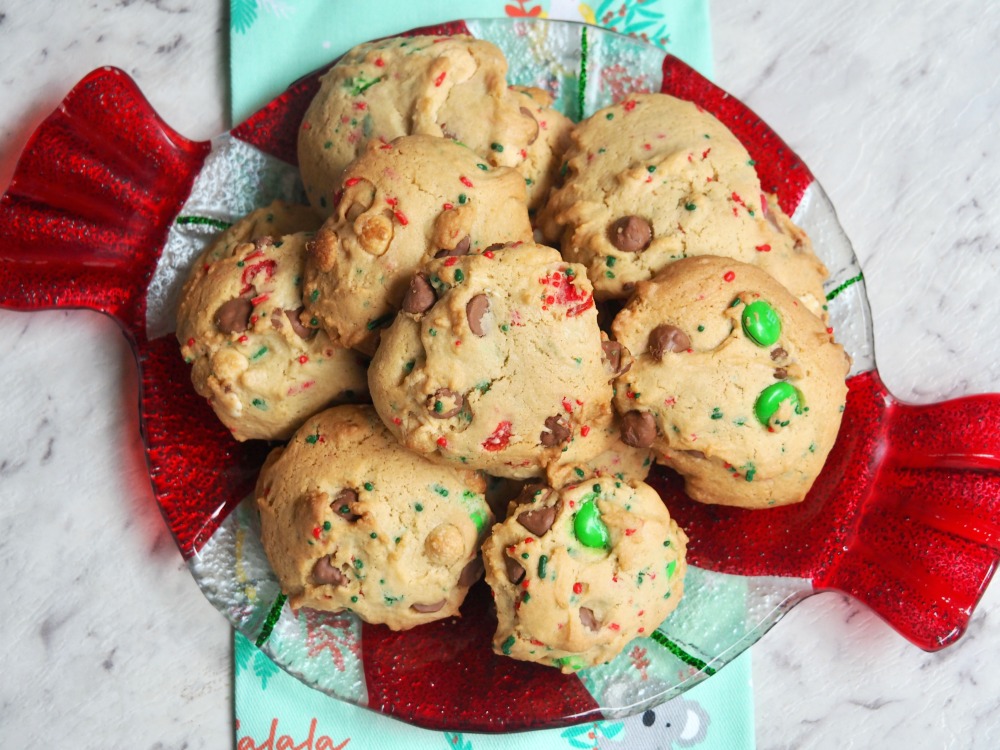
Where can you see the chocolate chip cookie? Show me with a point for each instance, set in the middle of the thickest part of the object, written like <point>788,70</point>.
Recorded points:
<point>401,204</point>
<point>262,365</point>
<point>496,363</point>
<point>352,521</point>
<point>579,572</point>
<point>735,384</point>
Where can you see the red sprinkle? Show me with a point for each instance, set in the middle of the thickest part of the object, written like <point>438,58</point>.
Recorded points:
<point>401,217</point>
<point>440,79</point>
<point>306,126</point>
<point>380,63</point>
<point>730,275</point>
<point>351,181</point>
<point>488,254</point>
<point>258,299</point>
<point>316,532</point>
<point>629,105</point>
<point>500,438</point>
<point>705,153</point>
<point>450,261</point>
<point>447,206</point>
<point>577,588</point>
<point>443,442</point>
<point>763,248</point>
<point>397,421</point>
<point>829,330</point>
<point>629,532</point>
<point>303,359</point>
<point>465,181</point>
<point>585,430</point>
<point>615,626</point>
<point>190,342</point>
<point>242,340</point>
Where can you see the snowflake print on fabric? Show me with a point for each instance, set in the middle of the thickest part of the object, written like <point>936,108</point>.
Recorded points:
<point>630,17</point>
<point>256,661</point>
<point>243,14</point>
<point>330,632</point>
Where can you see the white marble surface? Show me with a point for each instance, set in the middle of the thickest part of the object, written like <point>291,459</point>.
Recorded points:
<point>107,640</point>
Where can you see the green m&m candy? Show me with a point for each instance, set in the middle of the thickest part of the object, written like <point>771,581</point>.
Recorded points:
<point>771,400</point>
<point>589,528</point>
<point>761,323</point>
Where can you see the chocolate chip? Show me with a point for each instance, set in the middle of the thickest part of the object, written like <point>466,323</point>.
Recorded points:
<point>462,248</point>
<point>471,572</point>
<point>325,573</point>
<point>427,608</point>
<point>304,332</point>
<point>780,373</point>
<point>588,619</point>
<point>476,308</point>
<point>638,429</point>
<point>631,234</point>
<point>614,354</point>
<point>343,505</point>
<point>539,520</point>
<point>778,353</point>
<point>438,404</point>
<point>557,434</point>
<point>515,571</point>
<point>234,316</point>
<point>667,338</point>
<point>419,296</point>
<point>527,113</point>
<point>496,246</point>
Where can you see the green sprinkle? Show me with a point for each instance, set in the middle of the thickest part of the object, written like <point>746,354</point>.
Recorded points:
<point>543,561</point>
<point>204,220</point>
<point>312,439</point>
<point>716,413</point>
<point>354,599</point>
<point>497,147</point>
<point>373,535</point>
<point>462,198</point>
<point>314,295</point>
<point>751,472</point>
<point>610,262</point>
<point>459,276</point>
<point>525,598</point>
<point>671,568</point>
<point>701,328</point>
<point>369,486</point>
<point>408,367</point>
<point>751,162</point>
<point>850,282</point>
<point>690,206</point>
<point>507,645</point>
<point>260,404</point>
<point>579,472</point>
<point>418,507</point>
<point>380,322</point>
<point>359,564</point>
<point>651,168</point>
<point>505,328</point>
<point>442,491</point>
<point>432,331</point>
<point>327,525</point>
<point>525,555</point>
<point>483,167</point>
<point>609,116</point>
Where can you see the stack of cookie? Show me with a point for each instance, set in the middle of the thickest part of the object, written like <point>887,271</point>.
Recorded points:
<point>538,312</point>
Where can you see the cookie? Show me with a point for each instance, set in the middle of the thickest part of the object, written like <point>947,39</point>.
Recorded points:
<point>579,572</point>
<point>605,456</point>
<point>654,179</point>
<point>453,87</point>
<point>274,220</point>
<point>735,384</point>
<point>239,325</point>
<point>352,521</point>
<point>495,363</point>
<point>401,204</point>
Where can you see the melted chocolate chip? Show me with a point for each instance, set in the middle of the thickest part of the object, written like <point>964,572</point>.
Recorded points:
<point>515,571</point>
<point>638,429</point>
<point>667,338</point>
<point>419,296</point>
<point>234,316</point>
<point>462,248</point>
<point>558,432</point>
<point>427,608</point>
<point>539,520</point>
<point>304,332</point>
<point>476,308</point>
<point>527,113</point>
<point>614,354</point>
<point>438,404</point>
<point>780,373</point>
<point>343,505</point>
<point>631,234</point>
<point>496,246</point>
<point>778,353</point>
<point>470,573</point>
<point>325,573</point>
<point>588,619</point>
